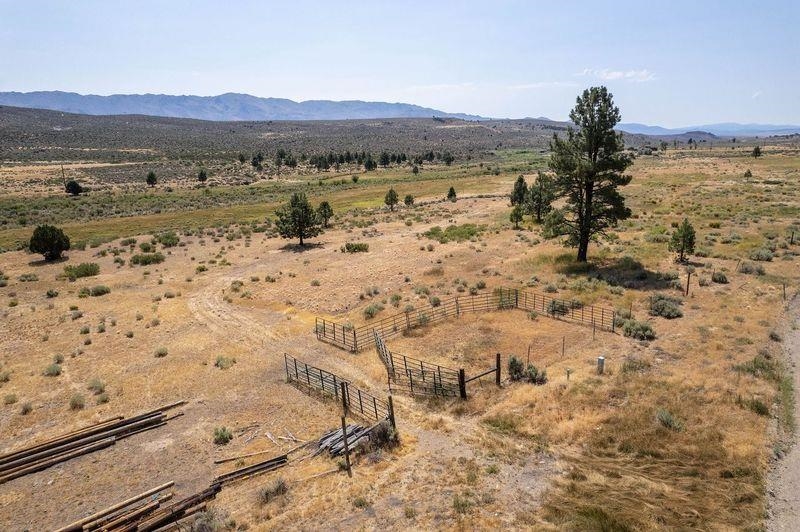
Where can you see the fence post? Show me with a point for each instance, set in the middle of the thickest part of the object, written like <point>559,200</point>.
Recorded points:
<point>462,385</point>
<point>601,361</point>
<point>497,372</point>
<point>355,341</point>
<point>391,413</point>
<point>345,405</point>
<point>408,322</point>
<point>346,448</point>
<point>458,311</point>
<point>613,319</point>
<point>296,374</point>
<point>516,298</point>
<point>688,276</point>
<point>286,365</point>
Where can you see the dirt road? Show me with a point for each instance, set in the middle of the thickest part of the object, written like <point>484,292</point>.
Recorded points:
<point>782,487</point>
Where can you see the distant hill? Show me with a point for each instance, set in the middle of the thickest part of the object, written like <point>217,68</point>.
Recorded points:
<point>726,129</point>
<point>225,107</point>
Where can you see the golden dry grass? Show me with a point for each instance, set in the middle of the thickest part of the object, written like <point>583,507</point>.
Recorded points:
<point>576,453</point>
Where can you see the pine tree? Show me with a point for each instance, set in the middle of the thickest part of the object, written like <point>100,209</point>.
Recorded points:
<point>451,194</point>
<point>682,241</point>
<point>589,166</point>
<point>520,191</point>
<point>202,175</point>
<point>325,213</point>
<point>50,241</point>
<point>540,196</point>
<point>151,179</point>
<point>391,199</point>
<point>516,216</point>
<point>297,219</point>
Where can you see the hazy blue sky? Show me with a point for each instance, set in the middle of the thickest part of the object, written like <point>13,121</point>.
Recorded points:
<point>668,63</point>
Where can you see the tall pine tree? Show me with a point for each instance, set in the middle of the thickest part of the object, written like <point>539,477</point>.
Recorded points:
<point>589,165</point>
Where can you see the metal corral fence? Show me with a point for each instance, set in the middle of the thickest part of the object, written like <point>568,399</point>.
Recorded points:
<point>354,339</point>
<point>418,377</point>
<point>356,401</point>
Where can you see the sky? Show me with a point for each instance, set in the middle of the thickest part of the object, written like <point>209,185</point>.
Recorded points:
<point>670,63</point>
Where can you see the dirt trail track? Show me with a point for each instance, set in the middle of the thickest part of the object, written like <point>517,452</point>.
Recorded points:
<point>784,483</point>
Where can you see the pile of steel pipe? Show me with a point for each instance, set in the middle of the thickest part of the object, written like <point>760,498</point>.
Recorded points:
<point>79,442</point>
<point>144,512</point>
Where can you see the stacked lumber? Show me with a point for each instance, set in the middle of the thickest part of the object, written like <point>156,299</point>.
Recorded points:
<point>333,441</point>
<point>79,442</point>
<point>249,471</point>
<point>145,512</point>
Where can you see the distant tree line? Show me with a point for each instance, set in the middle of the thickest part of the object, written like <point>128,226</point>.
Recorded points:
<point>331,159</point>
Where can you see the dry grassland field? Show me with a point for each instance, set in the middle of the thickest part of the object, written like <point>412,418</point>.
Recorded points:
<point>678,432</point>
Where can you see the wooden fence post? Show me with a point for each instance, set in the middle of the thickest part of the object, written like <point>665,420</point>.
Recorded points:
<point>355,341</point>
<point>345,405</point>
<point>286,364</point>
<point>688,276</point>
<point>462,384</point>
<point>497,372</point>
<point>391,413</point>
<point>346,448</point>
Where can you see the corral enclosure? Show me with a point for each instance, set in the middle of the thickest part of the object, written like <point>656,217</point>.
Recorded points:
<point>677,430</point>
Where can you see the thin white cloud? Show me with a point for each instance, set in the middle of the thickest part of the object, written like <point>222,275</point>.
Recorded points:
<point>606,74</point>
<point>541,85</point>
<point>756,94</point>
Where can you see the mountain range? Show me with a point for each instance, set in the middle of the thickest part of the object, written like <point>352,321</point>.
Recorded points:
<point>233,107</point>
<point>725,129</point>
<point>225,107</point>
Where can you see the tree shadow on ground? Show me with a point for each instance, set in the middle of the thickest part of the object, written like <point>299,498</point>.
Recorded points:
<point>43,262</point>
<point>297,248</point>
<point>626,272</point>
